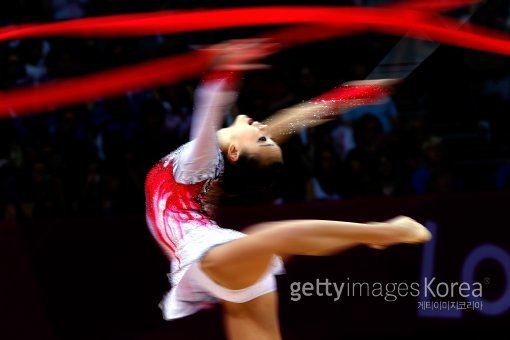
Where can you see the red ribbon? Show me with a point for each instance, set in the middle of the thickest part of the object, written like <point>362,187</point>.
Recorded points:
<point>102,85</point>
<point>186,21</point>
<point>322,23</point>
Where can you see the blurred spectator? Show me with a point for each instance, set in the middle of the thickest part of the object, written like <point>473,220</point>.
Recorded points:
<point>370,165</point>
<point>325,184</point>
<point>68,9</point>
<point>435,174</point>
<point>343,140</point>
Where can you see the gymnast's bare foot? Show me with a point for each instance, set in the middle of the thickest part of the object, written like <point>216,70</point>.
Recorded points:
<point>412,232</point>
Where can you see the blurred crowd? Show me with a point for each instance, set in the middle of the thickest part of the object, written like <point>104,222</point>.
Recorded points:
<point>91,159</point>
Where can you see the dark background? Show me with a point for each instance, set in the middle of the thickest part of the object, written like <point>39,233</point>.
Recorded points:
<point>103,278</point>
<point>77,261</point>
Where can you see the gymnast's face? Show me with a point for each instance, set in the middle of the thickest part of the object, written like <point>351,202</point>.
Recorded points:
<point>252,138</point>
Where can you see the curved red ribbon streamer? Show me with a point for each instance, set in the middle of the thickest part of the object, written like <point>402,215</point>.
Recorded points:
<point>103,84</point>
<point>394,20</point>
<point>186,21</point>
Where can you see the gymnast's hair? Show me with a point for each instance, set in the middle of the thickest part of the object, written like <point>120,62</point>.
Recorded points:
<point>250,180</point>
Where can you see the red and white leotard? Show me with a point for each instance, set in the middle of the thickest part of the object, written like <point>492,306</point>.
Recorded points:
<point>179,212</point>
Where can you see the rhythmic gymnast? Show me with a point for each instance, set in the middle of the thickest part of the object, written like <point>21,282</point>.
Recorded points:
<point>210,264</point>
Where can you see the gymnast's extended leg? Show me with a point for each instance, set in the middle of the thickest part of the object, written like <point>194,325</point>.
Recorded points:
<point>240,263</point>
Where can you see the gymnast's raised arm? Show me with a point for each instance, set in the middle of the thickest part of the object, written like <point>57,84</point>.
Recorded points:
<point>287,122</point>
<point>213,98</point>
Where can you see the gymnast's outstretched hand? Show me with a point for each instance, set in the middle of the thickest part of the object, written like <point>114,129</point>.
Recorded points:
<point>240,54</point>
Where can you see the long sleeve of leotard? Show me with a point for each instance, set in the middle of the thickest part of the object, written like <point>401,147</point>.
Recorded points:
<point>201,156</point>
